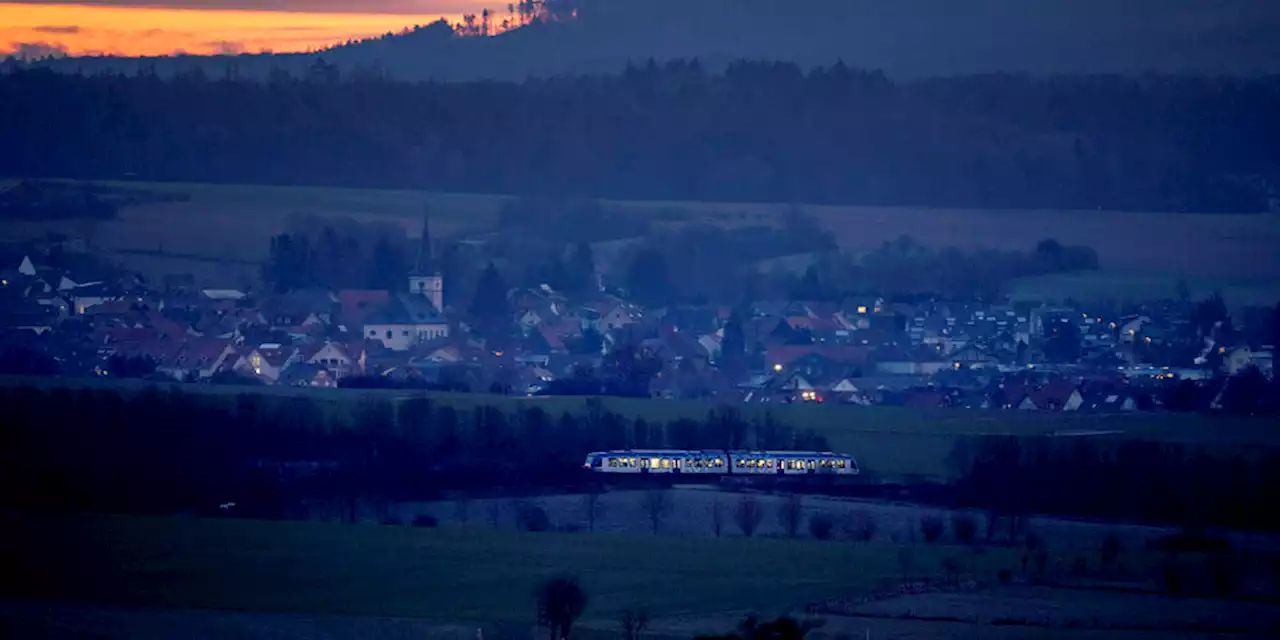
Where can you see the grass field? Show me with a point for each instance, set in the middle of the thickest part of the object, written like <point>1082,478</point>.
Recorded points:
<point>236,221</point>
<point>890,443</point>
<point>447,575</point>
<point>126,576</point>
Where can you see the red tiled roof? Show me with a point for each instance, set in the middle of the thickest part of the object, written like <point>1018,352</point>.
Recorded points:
<point>1056,393</point>
<point>356,304</point>
<point>925,399</point>
<point>840,353</point>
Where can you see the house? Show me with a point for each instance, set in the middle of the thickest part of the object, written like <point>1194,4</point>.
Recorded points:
<point>28,316</point>
<point>355,306</point>
<point>195,358</point>
<point>408,320</point>
<point>1058,395</point>
<point>894,360</point>
<point>616,317</point>
<point>1131,326</point>
<point>305,374</point>
<point>333,358</point>
<point>267,361</point>
<point>85,296</point>
<point>301,308</point>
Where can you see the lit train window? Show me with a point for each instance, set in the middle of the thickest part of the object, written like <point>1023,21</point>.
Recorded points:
<point>841,463</point>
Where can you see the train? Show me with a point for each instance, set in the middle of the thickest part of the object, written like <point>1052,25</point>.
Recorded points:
<point>721,463</point>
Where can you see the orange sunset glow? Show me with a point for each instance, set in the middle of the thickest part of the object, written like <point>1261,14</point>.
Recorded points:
<point>35,28</point>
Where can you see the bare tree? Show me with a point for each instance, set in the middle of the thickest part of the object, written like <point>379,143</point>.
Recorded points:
<point>633,622</point>
<point>964,527</point>
<point>717,517</point>
<point>821,525</point>
<point>560,601</point>
<point>860,525</point>
<point>791,514</point>
<point>748,515</point>
<point>657,504</point>
<point>932,527</point>
<point>592,508</point>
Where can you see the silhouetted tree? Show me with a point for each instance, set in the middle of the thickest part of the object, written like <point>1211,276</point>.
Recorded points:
<point>791,514</point>
<point>648,280</point>
<point>489,305</point>
<point>561,601</point>
<point>747,515</point>
<point>657,506</point>
<point>633,623</point>
<point>733,348</point>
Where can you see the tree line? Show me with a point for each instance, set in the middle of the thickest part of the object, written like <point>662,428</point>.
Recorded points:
<point>1193,486</point>
<point>759,131</point>
<point>167,451</point>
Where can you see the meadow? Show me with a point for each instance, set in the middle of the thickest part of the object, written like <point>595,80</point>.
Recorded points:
<point>236,221</point>
<point>447,575</point>
<point>130,576</point>
<point>890,443</point>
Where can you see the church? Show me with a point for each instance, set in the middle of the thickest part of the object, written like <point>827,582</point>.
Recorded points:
<point>416,315</point>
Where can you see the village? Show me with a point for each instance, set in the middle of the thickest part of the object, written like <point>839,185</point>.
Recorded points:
<point>861,351</point>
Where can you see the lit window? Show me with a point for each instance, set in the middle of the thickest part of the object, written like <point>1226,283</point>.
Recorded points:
<point>862,309</point>
<point>666,463</point>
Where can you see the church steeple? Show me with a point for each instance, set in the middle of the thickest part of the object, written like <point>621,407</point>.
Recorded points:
<point>424,262</point>
<point>425,278</point>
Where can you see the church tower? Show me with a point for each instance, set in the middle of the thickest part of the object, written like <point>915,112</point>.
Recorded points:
<point>424,278</point>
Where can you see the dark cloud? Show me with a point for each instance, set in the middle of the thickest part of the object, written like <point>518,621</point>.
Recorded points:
<point>327,6</point>
<point>35,50</point>
<point>58,29</point>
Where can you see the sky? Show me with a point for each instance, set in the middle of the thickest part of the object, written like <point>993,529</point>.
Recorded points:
<point>163,27</point>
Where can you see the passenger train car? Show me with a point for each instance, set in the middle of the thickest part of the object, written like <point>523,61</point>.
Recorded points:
<point>713,462</point>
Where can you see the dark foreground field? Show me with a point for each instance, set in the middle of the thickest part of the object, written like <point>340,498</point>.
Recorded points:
<point>447,575</point>
<point>133,577</point>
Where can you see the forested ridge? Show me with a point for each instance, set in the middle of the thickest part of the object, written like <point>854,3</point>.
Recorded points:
<point>760,131</point>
